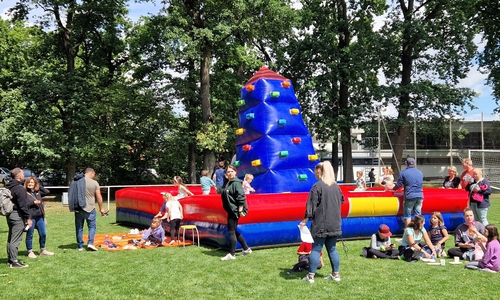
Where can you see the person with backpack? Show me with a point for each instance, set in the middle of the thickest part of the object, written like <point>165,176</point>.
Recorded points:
<point>19,219</point>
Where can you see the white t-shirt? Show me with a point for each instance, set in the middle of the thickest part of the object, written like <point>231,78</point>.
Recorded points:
<point>174,209</point>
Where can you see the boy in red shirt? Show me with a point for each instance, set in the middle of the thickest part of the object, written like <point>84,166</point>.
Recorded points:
<point>303,252</point>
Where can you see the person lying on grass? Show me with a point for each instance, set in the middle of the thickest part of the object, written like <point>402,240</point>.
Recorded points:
<point>155,235</point>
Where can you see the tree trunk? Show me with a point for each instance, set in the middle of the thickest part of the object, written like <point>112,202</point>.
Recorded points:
<point>206,110</point>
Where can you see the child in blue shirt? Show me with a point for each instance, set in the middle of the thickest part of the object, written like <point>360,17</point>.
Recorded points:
<point>155,235</point>
<point>206,182</point>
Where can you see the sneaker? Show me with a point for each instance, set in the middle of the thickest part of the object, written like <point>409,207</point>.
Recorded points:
<point>18,264</point>
<point>31,254</point>
<point>47,253</point>
<point>229,256</point>
<point>247,252</point>
<point>308,278</point>
<point>91,247</point>
<point>80,249</point>
<point>333,277</point>
<point>171,242</point>
<point>289,272</point>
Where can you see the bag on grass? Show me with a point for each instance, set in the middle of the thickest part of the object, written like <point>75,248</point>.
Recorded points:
<point>6,205</point>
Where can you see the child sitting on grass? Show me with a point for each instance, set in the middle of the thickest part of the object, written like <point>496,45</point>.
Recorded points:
<point>303,252</point>
<point>491,258</point>
<point>155,235</point>
<point>381,246</point>
<point>437,233</point>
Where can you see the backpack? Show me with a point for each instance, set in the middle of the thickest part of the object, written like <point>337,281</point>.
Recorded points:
<point>6,205</point>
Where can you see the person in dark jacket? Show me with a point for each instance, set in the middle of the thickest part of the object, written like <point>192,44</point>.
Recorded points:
<point>323,209</point>
<point>37,213</point>
<point>19,219</point>
<point>235,204</point>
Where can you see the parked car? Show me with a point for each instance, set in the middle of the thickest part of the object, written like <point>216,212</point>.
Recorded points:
<point>52,177</point>
<point>27,173</point>
<point>4,173</point>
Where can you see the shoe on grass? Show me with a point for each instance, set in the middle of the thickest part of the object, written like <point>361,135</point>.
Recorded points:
<point>18,264</point>
<point>46,253</point>
<point>31,254</point>
<point>333,277</point>
<point>91,247</point>
<point>308,278</point>
<point>247,252</point>
<point>229,256</point>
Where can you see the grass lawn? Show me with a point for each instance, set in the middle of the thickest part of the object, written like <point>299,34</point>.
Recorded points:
<point>198,273</point>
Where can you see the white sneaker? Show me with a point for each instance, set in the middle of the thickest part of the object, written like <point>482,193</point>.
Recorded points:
<point>31,254</point>
<point>228,257</point>
<point>332,277</point>
<point>47,253</point>
<point>309,279</point>
<point>91,247</point>
<point>247,252</point>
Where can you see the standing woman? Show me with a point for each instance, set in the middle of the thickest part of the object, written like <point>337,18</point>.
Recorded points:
<point>323,209</point>
<point>235,204</point>
<point>37,212</point>
<point>479,196</point>
<point>452,181</point>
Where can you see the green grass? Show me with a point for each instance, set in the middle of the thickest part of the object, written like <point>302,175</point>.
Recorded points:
<point>198,273</point>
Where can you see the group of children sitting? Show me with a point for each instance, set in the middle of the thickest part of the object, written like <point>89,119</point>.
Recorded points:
<point>486,250</point>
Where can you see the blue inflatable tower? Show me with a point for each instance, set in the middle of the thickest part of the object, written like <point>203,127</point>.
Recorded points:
<point>273,143</point>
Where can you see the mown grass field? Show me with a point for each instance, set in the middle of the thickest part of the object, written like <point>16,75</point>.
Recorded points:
<point>198,273</point>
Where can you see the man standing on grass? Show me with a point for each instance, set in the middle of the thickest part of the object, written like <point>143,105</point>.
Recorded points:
<point>83,192</point>
<point>412,179</point>
<point>18,219</point>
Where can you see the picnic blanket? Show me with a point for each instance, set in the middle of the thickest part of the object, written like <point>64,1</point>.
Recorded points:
<point>128,241</point>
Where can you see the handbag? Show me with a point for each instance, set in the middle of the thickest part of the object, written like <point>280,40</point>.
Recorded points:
<point>477,196</point>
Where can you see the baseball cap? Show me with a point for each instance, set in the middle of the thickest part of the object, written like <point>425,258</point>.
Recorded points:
<point>410,161</point>
<point>384,230</point>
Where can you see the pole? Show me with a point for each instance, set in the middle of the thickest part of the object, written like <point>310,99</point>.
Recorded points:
<point>378,146</point>
<point>415,134</point>
<point>451,146</point>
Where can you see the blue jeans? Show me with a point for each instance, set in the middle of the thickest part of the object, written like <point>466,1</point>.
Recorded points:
<point>331,248</point>
<point>480,214</point>
<point>414,204</point>
<point>39,224</point>
<point>80,217</point>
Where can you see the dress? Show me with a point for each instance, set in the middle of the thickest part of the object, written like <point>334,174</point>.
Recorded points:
<point>181,193</point>
<point>323,209</point>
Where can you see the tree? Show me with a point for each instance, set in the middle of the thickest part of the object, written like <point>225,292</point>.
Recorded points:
<point>334,65</point>
<point>426,47</point>
<point>488,20</point>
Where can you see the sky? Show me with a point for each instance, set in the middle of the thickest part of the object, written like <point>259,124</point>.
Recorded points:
<point>475,80</point>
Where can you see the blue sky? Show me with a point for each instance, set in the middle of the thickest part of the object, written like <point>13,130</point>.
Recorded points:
<point>474,80</point>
